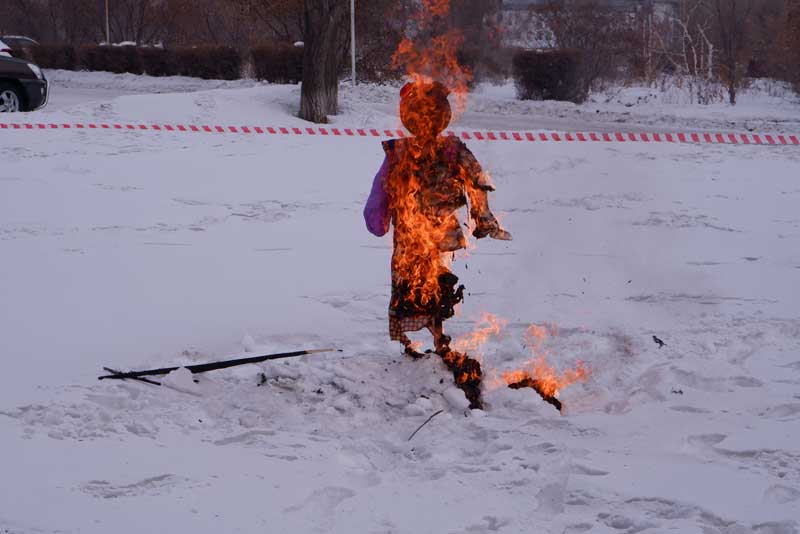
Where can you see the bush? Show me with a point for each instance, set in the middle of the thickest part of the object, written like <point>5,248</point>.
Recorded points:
<point>158,62</point>
<point>117,59</point>
<point>277,62</point>
<point>549,75</point>
<point>495,65</point>
<point>92,57</point>
<point>54,56</point>
<point>209,62</point>
<point>374,65</point>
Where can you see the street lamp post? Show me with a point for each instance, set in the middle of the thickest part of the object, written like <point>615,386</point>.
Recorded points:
<point>108,31</point>
<point>352,38</point>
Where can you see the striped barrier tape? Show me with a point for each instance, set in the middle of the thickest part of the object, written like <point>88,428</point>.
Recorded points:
<point>619,137</point>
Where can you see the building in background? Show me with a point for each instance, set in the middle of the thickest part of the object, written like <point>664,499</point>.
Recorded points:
<point>523,28</point>
<point>663,7</point>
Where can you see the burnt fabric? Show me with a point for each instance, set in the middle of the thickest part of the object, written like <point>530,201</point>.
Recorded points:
<point>450,178</point>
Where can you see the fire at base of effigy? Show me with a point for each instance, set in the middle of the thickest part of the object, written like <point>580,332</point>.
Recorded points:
<point>536,374</point>
<point>468,376</point>
<point>538,387</point>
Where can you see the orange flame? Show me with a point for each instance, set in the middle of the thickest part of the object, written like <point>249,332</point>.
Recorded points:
<point>467,369</point>
<point>418,254</point>
<point>432,54</point>
<point>489,325</point>
<point>539,371</point>
<point>423,232</point>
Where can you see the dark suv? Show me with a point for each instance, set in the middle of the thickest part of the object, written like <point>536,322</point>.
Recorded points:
<point>23,86</point>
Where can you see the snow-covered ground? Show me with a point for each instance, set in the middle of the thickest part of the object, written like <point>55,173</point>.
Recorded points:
<point>135,249</point>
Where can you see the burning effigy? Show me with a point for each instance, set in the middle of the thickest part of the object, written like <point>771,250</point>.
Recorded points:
<point>425,179</point>
<point>421,184</point>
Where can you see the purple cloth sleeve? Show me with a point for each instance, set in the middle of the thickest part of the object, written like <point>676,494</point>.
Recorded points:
<point>376,212</point>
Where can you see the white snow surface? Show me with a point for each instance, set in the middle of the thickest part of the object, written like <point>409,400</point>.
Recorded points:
<point>137,249</point>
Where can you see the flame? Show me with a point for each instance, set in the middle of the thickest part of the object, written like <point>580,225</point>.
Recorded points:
<point>489,325</point>
<point>466,369</point>
<point>423,240</point>
<point>418,257</point>
<point>437,8</point>
<point>538,373</point>
<point>432,53</point>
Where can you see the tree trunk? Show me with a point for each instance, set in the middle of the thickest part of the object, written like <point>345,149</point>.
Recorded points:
<point>732,91</point>
<point>325,22</point>
<point>734,29</point>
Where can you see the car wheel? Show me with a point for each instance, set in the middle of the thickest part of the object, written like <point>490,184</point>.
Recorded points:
<point>10,98</point>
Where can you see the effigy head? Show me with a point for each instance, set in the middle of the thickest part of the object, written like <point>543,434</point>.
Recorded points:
<point>424,108</point>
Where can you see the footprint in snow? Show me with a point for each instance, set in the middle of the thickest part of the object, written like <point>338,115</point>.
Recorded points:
<point>551,498</point>
<point>578,528</point>
<point>491,524</point>
<point>780,494</point>
<point>746,382</point>
<point>588,471</point>
<point>689,409</point>
<point>783,411</point>
<point>325,499</point>
<point>707,440</point>
<point>149,486</point>
<point>621,522</point>
<point>252,437</point>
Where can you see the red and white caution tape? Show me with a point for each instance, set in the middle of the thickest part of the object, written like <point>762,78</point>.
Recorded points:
<point>580,137</point>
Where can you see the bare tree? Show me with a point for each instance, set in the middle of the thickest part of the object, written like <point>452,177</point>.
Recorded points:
<point>21,16</point>
<point>771,36</point>
<point>732,25</point>
<point>380,26</point>
<point>283,19</point>
<point>790,43</point>
<point>74,21</point>
<point>691,52</point>
<point>141,21</point>
<point>325,27</point>
<point>203,22</point>
<point>604,36</point>
<point>63,21</point>
<point>478,23</point>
